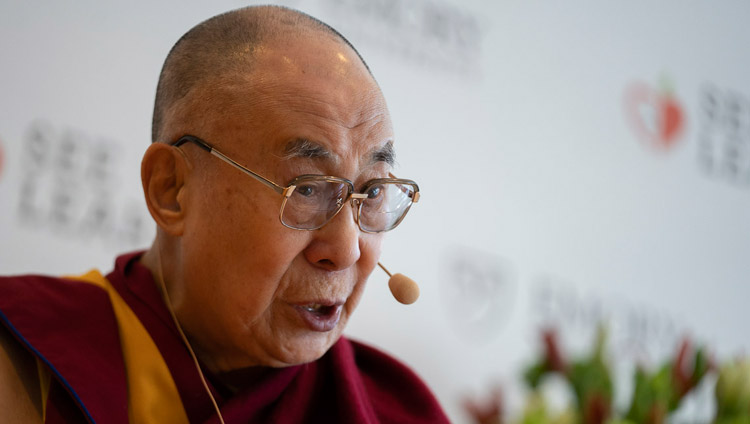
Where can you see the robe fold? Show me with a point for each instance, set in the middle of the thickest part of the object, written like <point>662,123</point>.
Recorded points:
<point>108,352</point>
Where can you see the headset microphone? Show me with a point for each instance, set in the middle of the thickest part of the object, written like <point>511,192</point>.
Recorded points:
<point>403,288</point>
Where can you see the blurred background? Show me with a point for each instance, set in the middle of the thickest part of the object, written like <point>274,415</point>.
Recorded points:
<point>580,162</point>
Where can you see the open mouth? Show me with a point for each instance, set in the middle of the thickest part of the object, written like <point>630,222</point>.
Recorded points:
<point>318,309</point>
<point>320,317</point>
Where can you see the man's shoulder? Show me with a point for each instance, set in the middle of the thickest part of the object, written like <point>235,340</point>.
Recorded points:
<point>39,308</point>
<point>39,295</point>
<point>66,291</point>
<point>49,315</point>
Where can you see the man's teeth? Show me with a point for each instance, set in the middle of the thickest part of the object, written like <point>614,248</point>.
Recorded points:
<point>316,308</point>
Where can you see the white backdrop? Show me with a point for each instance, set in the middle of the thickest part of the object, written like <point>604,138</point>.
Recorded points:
<point>580,161</point>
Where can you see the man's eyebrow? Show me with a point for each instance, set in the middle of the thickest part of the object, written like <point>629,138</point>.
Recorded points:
<point>385,154</point>
<point>308,149</point>
<point>304,148</point>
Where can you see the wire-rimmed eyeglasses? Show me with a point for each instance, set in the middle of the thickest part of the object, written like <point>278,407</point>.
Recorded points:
<point>311,201</point>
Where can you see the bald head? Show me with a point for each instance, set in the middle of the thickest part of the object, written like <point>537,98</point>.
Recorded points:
<point>225,46</point>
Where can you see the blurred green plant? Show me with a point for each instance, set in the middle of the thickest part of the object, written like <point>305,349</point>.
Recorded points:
<point>656,395</point>
<point>589,378</point>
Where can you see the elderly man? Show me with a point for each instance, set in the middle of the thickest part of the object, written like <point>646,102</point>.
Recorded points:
<point>269,181</point>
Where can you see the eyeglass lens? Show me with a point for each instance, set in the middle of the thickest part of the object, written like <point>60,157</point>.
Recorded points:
<point>313,203</point>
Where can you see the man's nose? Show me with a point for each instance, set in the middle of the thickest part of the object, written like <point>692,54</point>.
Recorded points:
<point>336,245</point>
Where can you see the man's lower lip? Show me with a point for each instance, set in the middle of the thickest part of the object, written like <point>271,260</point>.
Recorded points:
<point>322,321</point>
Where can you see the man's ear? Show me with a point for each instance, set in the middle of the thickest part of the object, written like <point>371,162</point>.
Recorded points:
<point>163,174</point>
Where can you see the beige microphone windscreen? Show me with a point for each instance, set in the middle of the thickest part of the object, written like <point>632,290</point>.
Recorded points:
<point>404,289</point>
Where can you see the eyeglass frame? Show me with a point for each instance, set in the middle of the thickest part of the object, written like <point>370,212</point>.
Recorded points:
<point>355,198</point>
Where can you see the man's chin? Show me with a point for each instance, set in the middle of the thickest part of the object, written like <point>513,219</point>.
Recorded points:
<point>310,349</point>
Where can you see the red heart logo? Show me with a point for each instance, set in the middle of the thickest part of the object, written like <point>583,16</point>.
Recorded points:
<point>656,117</point>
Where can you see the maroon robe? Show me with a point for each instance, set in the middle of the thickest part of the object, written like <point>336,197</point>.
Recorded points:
<point>70,327</point>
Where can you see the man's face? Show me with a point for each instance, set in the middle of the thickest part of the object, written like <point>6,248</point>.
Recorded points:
<point>252,291</point>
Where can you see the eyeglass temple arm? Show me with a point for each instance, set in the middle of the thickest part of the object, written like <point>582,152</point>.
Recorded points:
<point>277,188</point>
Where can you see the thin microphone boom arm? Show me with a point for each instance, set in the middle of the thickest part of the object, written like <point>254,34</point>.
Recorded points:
<point>403,288</point>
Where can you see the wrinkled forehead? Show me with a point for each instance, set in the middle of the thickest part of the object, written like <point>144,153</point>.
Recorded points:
<point>324,118</point>
<point>319,104</point>
<point>331,124</point>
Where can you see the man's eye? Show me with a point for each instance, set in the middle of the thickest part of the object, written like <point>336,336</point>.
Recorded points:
<point>374,192</point>
<point>307,190</point>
